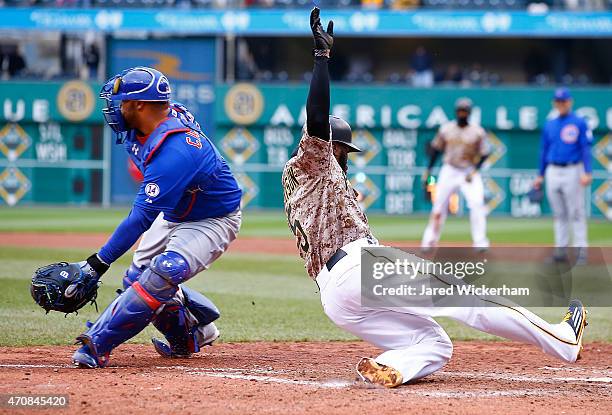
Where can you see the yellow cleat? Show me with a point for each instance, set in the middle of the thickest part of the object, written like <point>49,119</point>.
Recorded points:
<point>376,373</point>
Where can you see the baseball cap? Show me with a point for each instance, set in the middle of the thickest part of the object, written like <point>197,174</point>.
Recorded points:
<point>463,103</point>
<point>562,94</point>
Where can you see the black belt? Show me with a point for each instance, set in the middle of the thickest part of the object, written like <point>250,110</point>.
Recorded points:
<point>571,163</point>
<point>341,254</point>
<point>335,258</point>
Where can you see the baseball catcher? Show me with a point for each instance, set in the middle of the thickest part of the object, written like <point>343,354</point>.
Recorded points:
<point>330,229</point>
<point>187,211</point>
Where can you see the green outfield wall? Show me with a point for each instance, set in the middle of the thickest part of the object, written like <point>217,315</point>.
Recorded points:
<point>258,126</point>
<point>54,148</point>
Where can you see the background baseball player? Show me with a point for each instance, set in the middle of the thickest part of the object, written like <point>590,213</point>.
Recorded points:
<point>330,229</point>
<point>189,204</point>
<point>465,149</point>
<point>565,159</point>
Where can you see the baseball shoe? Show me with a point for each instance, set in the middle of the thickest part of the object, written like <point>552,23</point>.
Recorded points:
<point>165,350</point>
<point>371,372</point>
<point>558,256</point>
<point>576,318</point>
<point>209,333</point>
<point>84,358</point>
<point>206,336</point>
<point>583,256</point>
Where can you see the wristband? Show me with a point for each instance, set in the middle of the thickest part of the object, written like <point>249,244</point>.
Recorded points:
<point>320,53</point>
<point>97,264</point>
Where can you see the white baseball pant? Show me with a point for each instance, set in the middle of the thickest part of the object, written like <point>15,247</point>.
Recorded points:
<point>413,342</point>
<point>450,180</point>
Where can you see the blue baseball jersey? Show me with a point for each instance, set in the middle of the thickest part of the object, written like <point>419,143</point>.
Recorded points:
<point>566,140</point>
<point>185,177</point>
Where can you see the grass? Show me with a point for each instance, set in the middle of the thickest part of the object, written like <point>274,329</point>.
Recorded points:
<point>261,297</point>
<point>273,224</point>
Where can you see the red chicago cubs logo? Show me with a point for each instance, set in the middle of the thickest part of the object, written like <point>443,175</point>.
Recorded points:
<point>569,133</point>
<point>193,139</point>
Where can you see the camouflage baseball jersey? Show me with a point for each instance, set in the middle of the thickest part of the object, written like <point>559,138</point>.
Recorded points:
<point>321,206</point>
<point>462,147</point>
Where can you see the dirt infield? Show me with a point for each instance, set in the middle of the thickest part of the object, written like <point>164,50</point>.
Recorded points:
<point>295,378</point>
<point>96,240</point>
<point>483,377</point>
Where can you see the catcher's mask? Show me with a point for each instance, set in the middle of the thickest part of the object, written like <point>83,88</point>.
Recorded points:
<point>134,84</point>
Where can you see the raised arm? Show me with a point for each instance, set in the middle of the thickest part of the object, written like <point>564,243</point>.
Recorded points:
<point>317,106</point>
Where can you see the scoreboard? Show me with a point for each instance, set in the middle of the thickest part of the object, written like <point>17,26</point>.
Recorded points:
<point>52,147</point>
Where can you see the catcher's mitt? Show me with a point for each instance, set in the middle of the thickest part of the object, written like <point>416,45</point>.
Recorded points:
<point>64,287</point>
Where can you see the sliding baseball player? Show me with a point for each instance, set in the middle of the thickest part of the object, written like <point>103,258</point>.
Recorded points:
<point>330,229</point>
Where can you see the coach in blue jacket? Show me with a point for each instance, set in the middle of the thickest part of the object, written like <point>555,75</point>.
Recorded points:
<point>565,162</point>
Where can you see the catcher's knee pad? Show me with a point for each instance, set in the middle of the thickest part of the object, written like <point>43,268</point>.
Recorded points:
<point>166,272</point>
<point>131,275</point>
<point>172,266</point>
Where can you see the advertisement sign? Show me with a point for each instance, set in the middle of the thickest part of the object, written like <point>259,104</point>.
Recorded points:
<point>259,126</point>
<point>295,22</point>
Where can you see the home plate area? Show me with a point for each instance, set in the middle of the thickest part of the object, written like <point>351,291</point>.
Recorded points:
<point>311,377</point>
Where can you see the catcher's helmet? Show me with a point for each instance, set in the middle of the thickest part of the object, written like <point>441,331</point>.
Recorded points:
<point>133,84</point>
<point>341,133</point>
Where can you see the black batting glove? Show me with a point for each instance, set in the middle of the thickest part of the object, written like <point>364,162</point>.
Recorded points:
<point>323,40</point>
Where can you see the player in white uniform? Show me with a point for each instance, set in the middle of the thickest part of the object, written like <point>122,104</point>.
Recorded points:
<point>465,149</point>
<point>330,229</point>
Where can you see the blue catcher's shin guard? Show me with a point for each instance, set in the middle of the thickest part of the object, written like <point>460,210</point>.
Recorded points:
<point>132,310</point>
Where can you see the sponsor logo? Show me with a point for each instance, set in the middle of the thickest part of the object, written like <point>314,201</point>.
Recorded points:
<point>603,152</point>
<point>13,185</point>
<point>107,20</point>
<point>368,191</point>
<point>75,101</point>
<point>239,145</point>
<point>602,198</point>
<point>496,22</point>
<point>368,144</point>
<point>232,21</point>
<point>497,150</point>
<point>13,141</point>
<point>493,194</point>
<point>364,21</point>
<point>244,103</point>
